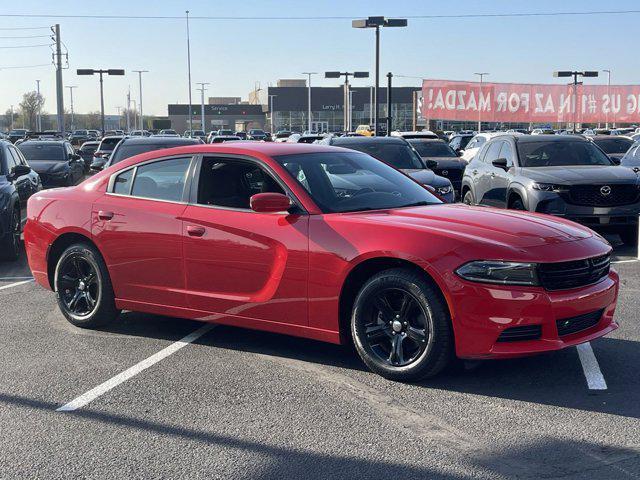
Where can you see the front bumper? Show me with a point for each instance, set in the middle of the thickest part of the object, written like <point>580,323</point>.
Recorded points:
<point>483,312</point>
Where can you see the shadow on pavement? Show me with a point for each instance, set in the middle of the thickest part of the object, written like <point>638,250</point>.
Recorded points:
<point>548,457</point>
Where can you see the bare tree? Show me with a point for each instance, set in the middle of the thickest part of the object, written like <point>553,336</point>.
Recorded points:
<point>31,104</point>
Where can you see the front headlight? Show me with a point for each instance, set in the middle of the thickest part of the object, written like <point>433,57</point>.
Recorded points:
<point>504,273</point>
<point>444,190</point>
<point>548,187</point>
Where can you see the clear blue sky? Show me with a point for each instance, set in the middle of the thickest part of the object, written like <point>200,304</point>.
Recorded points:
<point>233,55</point>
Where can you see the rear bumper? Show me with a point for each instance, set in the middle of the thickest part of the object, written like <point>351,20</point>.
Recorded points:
<point>484,312</point>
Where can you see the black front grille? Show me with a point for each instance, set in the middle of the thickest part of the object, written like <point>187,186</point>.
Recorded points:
<point>453,174</point>
<point>567,326</point>
<point>603,195</point>
<point>519,334</point>
<point>574,274</point>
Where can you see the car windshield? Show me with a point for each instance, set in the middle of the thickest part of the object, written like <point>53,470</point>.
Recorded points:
<point>432,149</point>
<point>557,154</point>
<point>352,181</point>
<point>398,155</point>
<point>34,152</point>
<point>108,144</point>
<point>80,132</point>
<point>125,151</point>
<point>256,132</point>
<point>226,132</point>
<point>613,145</point>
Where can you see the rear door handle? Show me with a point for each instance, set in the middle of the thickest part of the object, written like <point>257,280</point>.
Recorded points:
<point>102,215</point>
<point>195,230</point>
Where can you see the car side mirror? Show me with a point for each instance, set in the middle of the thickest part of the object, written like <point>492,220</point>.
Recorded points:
<point>269,202</point>
<point>20,170</point>
<point>75,156</point>
<point>431,164</point>
<point>460,151</point>
<point>501,163</point>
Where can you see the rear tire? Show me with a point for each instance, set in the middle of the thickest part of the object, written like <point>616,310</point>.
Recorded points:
<point>10,247</point>
<point>83,287</point>
<point>517,204</point>
<point>629,236</point>
<point>400,326</point>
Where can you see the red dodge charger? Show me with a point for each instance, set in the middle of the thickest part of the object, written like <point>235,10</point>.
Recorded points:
<point>324,243</point>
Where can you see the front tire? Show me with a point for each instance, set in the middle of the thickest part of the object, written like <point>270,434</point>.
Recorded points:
<point>468,198</point>
<point>517,204</point>
<point>10,247</point>
<point>83,287</point>
<point>400,326</point>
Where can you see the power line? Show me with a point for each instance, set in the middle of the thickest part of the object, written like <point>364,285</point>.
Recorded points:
<point>25,28</point>
<point>27,46</point>
<point>25,66</point>
<point>25,36</point>
<point>416,17</point>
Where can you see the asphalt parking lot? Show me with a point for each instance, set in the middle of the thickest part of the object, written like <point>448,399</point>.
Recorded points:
<point>235,403</point>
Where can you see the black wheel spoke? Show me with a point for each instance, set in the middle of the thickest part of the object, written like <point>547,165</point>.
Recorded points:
<point>377,333</point>
<point>90,279</point>
<point>73,303</point>
<point>417,335</point>
<point>90,300</point>
<point>76,266</point>
<point>405,306</point>
<point>396,357</point>
<point>382,304</point>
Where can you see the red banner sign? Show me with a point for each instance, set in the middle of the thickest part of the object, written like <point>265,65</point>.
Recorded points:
<point>523,103</point>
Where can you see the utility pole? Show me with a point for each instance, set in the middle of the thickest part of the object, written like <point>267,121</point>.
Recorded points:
<point>481,75</point>
<point>308,74</point>
<point>39,113</point>
<point>271,112</point>
<point>575,75</point>
<point>389,117</point>
<point>11,117</point>
<point>189,73</point>
<point>59,87</point>
<point>608,72</point>
<point>202,90</point>
<point>140,72</point>
<point>135,117</point>
<point>346,76</point>
<point>71,87</point>
<point>128,110</point>
<point>119,122</point>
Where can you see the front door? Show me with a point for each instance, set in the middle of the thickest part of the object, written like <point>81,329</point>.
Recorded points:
<point>239,262</point>
<point>320,126</point>
<point>138,227</point>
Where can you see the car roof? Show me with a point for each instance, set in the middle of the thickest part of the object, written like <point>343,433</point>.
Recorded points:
<point>426,140</point>
<point>44,142</point>
<point>611,137</point>
<point>158,140</point>
<point>548,137</point>
<point>369,140</point>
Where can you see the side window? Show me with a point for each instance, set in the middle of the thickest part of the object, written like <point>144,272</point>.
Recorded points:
<point>473,144</point>
<point>231,183</point>
<point>13,158</point>
<point>636,153</point>
<point>162,180</point>
<point>493,150</point>
<point>19,157</point>
<point>122,184</point>
<point>455,143</point>
<point>507,152</point>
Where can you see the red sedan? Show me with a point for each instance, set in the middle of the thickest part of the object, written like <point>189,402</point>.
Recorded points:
<point>324,243</point>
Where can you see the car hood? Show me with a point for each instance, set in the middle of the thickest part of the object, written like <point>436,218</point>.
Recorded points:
<point>427,177</point>
<point>508,228</point>
<point>448,162</point>
<point>580,174</point>
<point>47,166</point>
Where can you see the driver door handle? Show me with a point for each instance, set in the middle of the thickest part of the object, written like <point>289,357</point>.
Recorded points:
<point>493,174</point>
<point>195,230</point>
<point>474,172</point>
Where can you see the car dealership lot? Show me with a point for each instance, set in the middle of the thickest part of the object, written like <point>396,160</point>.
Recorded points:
<point>251,404</point>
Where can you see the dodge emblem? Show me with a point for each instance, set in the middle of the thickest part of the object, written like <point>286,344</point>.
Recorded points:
<point>605,190</point>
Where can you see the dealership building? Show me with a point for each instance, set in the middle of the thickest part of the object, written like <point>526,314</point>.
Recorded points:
<point>234,116</point>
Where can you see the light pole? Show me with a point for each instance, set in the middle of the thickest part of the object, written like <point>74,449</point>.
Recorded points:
<point>346,102</point>
<point>481,75</point>
<point>71,87</point>
<point>189,72</point>
<point>608,72</point>
<point>91,71</point>
<point>271,112</point>
<point>11,117</point>
<point>135,116</point>
<point>308,74</point>
<point>128,110</point>
<point>377,22</point>
<point>140,72</point>
<point>351,92</point>
<point>575,75</point>
<point>202,89</point>
<point>39,116</point>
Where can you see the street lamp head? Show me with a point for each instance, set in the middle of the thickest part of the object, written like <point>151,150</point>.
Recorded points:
<point>115,71</point>
<point>361,74</point>
<point>590,74</point>
<point>375,22</point>
<point>85,71</point>
<point>331,74</point>
<point>396,22</point>
<point>562,73</point>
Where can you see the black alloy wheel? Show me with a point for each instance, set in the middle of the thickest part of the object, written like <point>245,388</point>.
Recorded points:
<point>401,327</point>
<point>83,287</point>
<point>78,285</point>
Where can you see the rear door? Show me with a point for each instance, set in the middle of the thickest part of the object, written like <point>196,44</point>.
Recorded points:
<point>138,227</point>
<point>486,183</point>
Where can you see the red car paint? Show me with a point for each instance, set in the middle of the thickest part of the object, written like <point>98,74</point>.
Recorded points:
<point>286,273</point>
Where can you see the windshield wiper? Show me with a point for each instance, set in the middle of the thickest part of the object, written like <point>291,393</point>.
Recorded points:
<point>422,203</point>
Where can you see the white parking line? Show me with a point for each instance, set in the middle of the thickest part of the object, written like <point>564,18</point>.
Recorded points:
<point>626,261</point>
<point>595,380</point>
<point>103,388</point>
<point>11,285</point>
